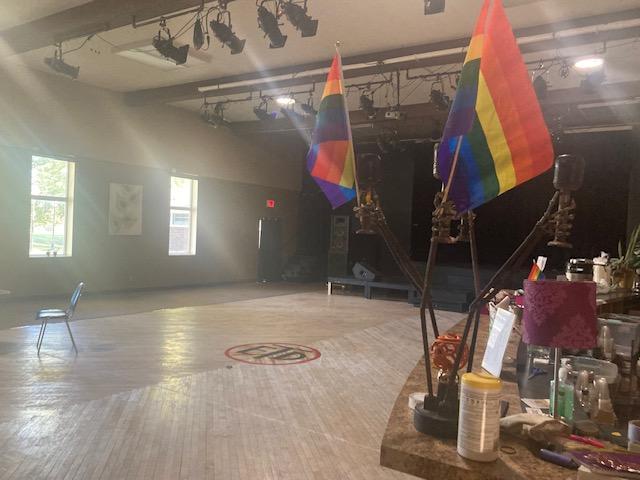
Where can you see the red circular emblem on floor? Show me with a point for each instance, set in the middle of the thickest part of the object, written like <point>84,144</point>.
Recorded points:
<point>269,353</point>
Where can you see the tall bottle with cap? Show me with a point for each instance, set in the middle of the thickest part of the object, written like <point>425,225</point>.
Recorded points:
<point>479,417</point>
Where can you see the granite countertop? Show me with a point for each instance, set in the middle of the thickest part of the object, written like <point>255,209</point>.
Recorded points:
<point>406,450</point>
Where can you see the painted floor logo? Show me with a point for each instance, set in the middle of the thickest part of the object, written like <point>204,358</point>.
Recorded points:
<point>272,353</point>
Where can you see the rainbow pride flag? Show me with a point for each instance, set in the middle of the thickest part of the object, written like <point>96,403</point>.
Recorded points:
<point>535,273</point>
<point>495,119</point>
<point>331,161</point>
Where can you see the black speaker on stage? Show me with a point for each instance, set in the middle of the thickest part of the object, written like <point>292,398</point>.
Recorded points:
<point>362,271</point>
<point>338,259</point>
<point>269,250</point>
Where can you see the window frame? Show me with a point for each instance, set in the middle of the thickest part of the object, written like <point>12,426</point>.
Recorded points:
<point>68,200</point>
<point>193,212</point>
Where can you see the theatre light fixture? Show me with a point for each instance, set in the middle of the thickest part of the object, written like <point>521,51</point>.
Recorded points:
<point>268,23</point>
<point>214,116</point>
<point>198,34</point>
<point>308,108</point>
<point>438,97</point>
<point>589,63</point>
<point>57,64</point>
<point>223,31</point>
<point>299,18</point>
<point>163,43</point>
<point>285,101</point>
<point>262,111</point>
<point>431,7</point>
<point>367,105</point>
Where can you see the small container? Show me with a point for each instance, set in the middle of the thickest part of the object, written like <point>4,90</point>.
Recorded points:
<point>579,269</point>
<point>479,417</point>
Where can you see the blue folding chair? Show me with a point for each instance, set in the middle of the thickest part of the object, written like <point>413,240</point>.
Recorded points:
<point>47,314</point>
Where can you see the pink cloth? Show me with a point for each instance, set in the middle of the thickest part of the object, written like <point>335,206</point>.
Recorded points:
<point>560,314</point>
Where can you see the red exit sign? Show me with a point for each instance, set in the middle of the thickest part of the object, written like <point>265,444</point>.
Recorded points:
<point>271,204</point>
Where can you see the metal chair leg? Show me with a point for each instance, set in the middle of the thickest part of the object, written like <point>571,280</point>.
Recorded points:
<point>66,321</point>
<point>44,328</point>
<point>40,333</point>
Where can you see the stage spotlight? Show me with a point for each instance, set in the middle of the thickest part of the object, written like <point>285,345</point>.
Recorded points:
<point>268,23</point>
<point>57,64</point>
<point>214,117</point>
<point>439,99</point>
<point>431,7</point>
<point>198,35</point>
<point>166,48</point>
<point>540,86</point>
<point>589,63</point>
<point>308,108</point>
<point>367,105</point>
<point>224,33</point>
<point>298,17</point>
<point>262,111</point>
<point>285,101</point>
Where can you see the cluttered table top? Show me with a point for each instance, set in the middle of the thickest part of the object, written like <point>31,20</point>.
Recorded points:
<point>406,450</point>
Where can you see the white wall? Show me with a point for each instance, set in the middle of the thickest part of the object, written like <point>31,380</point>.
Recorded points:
<point>112,142</point>
<point>65,117</point>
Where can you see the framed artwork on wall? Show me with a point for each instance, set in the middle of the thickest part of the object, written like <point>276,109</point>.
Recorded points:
<point>125,209</point>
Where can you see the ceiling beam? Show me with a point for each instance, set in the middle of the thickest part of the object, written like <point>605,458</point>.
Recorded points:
<point>189,91</point>
<point>93,17</point>
<point>424,116</point>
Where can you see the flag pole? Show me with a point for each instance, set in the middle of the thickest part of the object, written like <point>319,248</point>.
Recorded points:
<point>453,170</point>
<point>346,109</point>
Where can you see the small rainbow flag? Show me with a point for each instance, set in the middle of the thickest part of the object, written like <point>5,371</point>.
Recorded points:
<point>495,121</point>
<point>536,272</point>
<point>331,160</point>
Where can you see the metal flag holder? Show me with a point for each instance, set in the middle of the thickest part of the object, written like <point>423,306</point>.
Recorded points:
<point>438,415</point>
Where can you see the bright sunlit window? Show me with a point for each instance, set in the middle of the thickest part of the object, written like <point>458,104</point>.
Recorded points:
<point>183,216</point>
<point>51,230</point>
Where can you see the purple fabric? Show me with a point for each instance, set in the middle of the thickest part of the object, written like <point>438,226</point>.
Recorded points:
<point>560,314</point>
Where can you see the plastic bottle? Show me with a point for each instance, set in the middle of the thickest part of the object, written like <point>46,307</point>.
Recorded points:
<point>582,390</point>
<point>569,396</point>
<point>479,417</point>
<point>565,395</point>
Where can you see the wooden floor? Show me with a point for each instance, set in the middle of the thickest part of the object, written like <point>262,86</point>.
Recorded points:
<point>152,395</point>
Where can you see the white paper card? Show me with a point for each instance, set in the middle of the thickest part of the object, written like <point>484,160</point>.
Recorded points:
<point>541,262</point>
<point>498,340</point>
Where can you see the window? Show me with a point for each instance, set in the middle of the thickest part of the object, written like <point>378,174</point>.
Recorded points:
<point>52,183</point>
<point>183,216</point>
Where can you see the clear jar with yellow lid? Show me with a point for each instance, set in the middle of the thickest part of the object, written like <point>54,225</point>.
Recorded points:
<point>479,417</point>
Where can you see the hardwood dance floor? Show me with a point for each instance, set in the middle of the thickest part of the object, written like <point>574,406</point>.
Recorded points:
<point>152,395</point>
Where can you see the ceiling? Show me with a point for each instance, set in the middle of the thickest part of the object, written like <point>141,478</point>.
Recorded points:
<point>14,12</point>
<point>360,26</point>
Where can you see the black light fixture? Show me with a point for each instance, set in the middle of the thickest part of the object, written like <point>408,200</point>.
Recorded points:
<point>166,48</point>
<point>57,64</point>
<point>198,34</point>
<point>268,23</point>
<point>297,15</point>
<point>262,111</point>
<point>367,105</point>
<point>215,116</point>
<point>223,31</point>
<point>308,107</point>
<point>431,7</point>
<point>437,96</point>
<point>541,87</point>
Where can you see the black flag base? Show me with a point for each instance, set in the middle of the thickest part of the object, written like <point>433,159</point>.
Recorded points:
<point>434,421</point>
